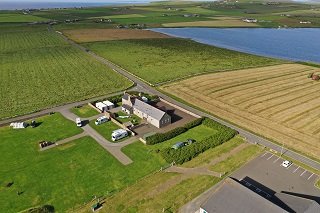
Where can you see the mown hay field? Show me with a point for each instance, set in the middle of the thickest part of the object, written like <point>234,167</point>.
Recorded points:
<point>90,35</point>
<point>163,60</point>
<point>278,102</point>
<point>38,69</point>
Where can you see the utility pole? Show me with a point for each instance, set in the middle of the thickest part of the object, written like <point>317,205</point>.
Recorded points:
<point>282,149</point>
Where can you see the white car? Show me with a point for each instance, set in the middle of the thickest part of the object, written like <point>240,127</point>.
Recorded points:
<point>286,163</point>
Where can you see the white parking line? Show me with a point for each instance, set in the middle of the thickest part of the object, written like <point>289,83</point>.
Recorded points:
<point>296,169</point>
<point>310,176</point>
<point>270,157</point>
<point>264,154</point>
<point>276,160</point>
<point>289,166</point>
<point>303,173</point>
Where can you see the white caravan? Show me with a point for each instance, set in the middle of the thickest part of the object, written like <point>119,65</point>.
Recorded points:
<point>78,122</point>
<point>119,134</point>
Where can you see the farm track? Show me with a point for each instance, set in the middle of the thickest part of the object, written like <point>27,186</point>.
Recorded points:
<point>278,105</point>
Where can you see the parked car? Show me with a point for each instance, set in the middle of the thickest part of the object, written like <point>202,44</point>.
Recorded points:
<point>178,145</point>
<point>101,120</point>
<point>286,163</point>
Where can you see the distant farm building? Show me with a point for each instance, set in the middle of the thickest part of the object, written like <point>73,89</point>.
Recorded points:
<point>250,20</point>
<point>137,106</point>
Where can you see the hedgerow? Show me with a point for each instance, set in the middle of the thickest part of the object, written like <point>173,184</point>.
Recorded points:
<point>160,137</point>
<point>184,154</point>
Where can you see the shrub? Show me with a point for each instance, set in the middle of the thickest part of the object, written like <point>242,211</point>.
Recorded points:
<point>115,99</point>
<point>160,137</point>
<point>184,154</point>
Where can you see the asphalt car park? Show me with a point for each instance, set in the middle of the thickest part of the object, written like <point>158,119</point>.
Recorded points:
<point>267,176</point>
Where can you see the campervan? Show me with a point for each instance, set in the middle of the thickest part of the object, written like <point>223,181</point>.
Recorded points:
<point>101,120</point>
<point>119,134</point>
<point>78,122</point>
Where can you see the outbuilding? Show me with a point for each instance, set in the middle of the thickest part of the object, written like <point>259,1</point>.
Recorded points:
<point>101,106</point>
<point>109,104</point>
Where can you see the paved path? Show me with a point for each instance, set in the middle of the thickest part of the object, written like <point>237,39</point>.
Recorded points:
<point>66,140</point>
<point>112,148</point>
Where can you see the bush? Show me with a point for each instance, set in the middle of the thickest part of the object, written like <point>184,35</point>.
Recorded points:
<point>115,99</point>
<point>184,154</point>
<point>161,137</point>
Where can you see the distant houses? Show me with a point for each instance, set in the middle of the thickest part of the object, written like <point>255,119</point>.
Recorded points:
<point>250,20</point>
<point>140,107</point>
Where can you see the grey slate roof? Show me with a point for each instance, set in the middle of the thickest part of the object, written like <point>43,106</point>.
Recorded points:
<point>148,109</point>
<point>126,96</point>
<point>127,107</point>
<point>299,204</point>
<point>232,197</point>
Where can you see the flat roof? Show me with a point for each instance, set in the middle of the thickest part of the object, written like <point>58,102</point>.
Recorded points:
<point>232,196</point>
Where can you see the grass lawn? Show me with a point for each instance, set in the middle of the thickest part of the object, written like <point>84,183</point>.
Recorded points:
<point>157,192</point>
<point>49,71</point>
<point>84,111</point>
<point>210,154</point>
<point>135,120</point>
<point>161,60</point>
<point>237,160</point>
<point>106,130</point>
<point>197,133</point>
<point>65,176</point>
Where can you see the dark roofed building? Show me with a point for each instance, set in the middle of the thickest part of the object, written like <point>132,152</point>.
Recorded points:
<point>232,197</point>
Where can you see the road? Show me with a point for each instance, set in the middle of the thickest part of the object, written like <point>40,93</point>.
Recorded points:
<point>144,86</point>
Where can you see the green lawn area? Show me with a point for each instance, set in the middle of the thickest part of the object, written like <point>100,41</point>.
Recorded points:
<point>161,60</point>
<point>106,130</point>
<point>237,160</point>
<point>66,176</point>
<point>135,120</point>
<point>13,17</point>
<point>210,154</point>
<point>49,71</point>
<point>197,133</point>
<point>84,111</point>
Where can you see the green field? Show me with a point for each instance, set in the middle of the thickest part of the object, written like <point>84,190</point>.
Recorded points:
<point>161,60</point>
<point>235,161</point>
<point>39,69</point>
<point>65,176</point>
<point>84,111</point>
<point>13,17</point>
<point>106,130</point>
<point>197,133</point>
